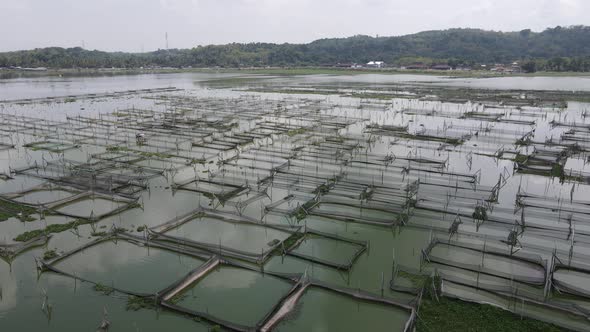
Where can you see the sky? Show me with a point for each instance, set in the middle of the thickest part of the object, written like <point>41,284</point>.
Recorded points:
<point>141,25</point>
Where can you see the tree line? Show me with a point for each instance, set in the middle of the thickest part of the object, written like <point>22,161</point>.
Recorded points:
<point>555,49</point>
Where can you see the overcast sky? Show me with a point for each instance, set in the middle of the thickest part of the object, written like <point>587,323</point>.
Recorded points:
<point>136,25</point>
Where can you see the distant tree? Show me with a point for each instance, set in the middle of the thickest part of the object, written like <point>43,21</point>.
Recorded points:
<point>557,64</point>
<point>529,67</point>
<point>454,62</point>
<point>525,33</point>
<point>556,49</point>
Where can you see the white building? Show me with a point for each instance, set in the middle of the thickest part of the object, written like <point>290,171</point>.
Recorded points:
<point>375,64</point>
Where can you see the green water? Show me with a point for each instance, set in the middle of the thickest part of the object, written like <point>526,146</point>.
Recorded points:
<point>321,310</point>
<point>236,295</point>
<point>128,267</point>
<point>242,296</point>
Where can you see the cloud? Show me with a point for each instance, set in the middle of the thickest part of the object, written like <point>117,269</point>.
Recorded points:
<point>131,25</point>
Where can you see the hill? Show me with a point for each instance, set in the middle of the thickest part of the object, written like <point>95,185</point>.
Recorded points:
<point>559,49</point>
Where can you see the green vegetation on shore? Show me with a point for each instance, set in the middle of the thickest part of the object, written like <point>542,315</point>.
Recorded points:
<point>10,209</point>
<point>55,228</point>
<point>135,303</point>
<point>105,290</point>
<point>439,313</point>
<point>554,49</point>
<point>455,315</point>
<point>276,71</point>
<point>49,254</point>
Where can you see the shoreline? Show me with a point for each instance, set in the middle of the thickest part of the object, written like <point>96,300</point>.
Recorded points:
<point>7,74</point>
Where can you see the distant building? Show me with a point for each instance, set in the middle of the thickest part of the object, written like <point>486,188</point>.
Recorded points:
<point>441,67</point>
<point>515,68</point>
<point>512,68</point>
<point>375,64</point>
<point>29,68</point>
<point>417,66</point>
<point>500,68</point>
<point>345,65</point>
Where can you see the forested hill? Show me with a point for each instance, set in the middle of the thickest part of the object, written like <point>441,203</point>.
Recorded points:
<point>456,46</point>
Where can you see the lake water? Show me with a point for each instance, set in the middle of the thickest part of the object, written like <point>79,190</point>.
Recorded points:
<point>340,185</point>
